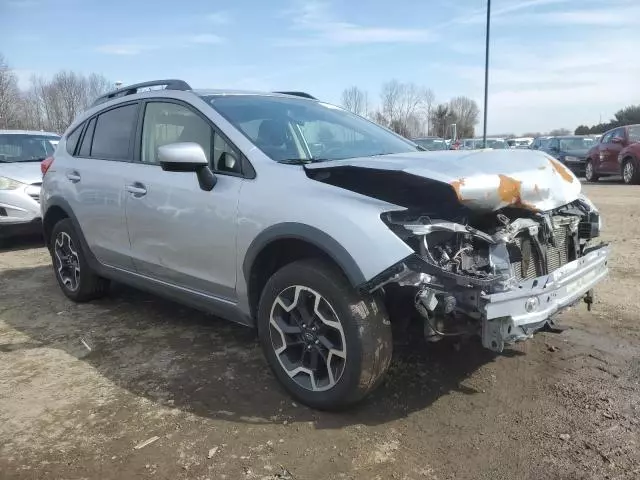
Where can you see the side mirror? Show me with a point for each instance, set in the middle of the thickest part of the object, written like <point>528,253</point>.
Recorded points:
<point>187,157</point>
<point>617,140</point>
<point>554,148</point>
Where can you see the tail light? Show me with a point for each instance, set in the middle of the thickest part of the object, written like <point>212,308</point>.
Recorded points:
<point>45,164</point>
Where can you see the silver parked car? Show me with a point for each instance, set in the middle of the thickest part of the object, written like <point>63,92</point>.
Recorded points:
<point>294,216</point>
<point>21,152</point>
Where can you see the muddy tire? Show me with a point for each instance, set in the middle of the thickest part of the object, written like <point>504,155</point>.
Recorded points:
<point>630,173</point>
<point>72,271</point>
<point>589,172</point>
<point>326,343</point>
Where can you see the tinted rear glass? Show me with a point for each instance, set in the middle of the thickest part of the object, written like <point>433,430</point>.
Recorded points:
<point>113,133</point>
<point>72,140</point>
<point>85,148</point>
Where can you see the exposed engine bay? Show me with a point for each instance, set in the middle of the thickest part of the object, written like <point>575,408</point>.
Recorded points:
<point>458,262</point>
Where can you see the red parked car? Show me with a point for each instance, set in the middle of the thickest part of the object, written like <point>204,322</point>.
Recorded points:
<point>617,153</point>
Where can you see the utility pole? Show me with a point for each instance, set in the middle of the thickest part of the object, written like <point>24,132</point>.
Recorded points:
<point>486,77</point>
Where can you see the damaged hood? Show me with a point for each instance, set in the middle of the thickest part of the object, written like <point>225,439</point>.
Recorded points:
<point>483,180</point>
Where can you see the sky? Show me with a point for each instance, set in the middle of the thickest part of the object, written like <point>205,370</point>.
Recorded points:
<point>553,63</point>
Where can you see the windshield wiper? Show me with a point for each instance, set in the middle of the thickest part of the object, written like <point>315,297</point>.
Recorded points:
<point>301,161</point>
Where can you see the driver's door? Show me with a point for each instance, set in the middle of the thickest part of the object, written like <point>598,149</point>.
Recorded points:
<point>180,234</point>
<point>611,150</point>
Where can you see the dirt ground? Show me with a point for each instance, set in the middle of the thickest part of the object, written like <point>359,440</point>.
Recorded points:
<point>83,387</point>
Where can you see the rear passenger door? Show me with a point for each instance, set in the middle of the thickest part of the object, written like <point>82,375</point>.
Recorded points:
<point>95,180</point>
<point>181,234</point>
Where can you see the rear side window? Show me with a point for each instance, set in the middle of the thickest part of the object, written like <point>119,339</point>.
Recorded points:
<point>113,133</point>
<point>72,140</point>
<point>85,148</point>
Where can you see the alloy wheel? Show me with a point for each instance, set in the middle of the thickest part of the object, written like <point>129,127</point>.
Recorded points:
<point>68,263</point>
<point>307,338</point>
<point>588,173</point>
<point>627,172</point>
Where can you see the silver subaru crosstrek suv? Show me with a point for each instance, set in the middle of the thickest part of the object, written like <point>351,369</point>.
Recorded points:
<point>316,226</point>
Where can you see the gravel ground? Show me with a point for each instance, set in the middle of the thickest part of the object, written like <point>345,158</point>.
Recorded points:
<point>136,386</point>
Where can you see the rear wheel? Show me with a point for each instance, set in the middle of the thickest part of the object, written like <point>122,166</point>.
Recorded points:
<point>326,343</point>
<point>630,173</point>
<point>73,273</point>
<point>589,172</point>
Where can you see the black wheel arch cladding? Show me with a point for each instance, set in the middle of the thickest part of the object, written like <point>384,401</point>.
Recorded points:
<point>307,233</point>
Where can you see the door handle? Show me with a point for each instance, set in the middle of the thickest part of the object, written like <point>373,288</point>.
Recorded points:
<point>73,176</point>
<point>137,189</point>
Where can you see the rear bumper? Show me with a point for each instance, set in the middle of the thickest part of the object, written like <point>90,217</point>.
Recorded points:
<point>516,314</point>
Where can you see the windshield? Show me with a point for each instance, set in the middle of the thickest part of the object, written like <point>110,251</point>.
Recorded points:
<point>431,143</point>
<point>576,143</point>
<point>634,133</point>
<point>298,129</point>
<point>20,147</point>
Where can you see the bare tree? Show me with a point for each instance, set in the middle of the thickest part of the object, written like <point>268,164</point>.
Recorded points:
<point>465,112</point>
<point>405,107</point>
<point>429,98</point>
<point>355,100</point>
<point>557,132</point>
<point>58,101</point>
<point>9,96</point>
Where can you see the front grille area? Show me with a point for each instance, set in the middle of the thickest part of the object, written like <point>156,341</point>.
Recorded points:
<point>558,255</point>
<point>529,264</point>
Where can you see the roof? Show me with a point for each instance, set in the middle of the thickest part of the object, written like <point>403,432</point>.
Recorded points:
<point>28,132</point>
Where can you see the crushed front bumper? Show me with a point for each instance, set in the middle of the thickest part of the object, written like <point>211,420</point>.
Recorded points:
<point>514,315</point>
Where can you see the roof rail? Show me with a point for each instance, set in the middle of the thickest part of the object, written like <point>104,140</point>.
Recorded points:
<point>299,94</point>
<point>171,84</point>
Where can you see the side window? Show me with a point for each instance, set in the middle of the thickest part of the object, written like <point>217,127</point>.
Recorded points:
<point>555,143</point>
<point>166,123</point>
<point>607,137</point>
<point>113,133</point>
<point>618,132</point>
<point>72,140</point>
<point>85,147</point>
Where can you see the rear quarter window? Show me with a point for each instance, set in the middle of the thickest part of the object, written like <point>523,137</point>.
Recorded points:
<point>72,139</point>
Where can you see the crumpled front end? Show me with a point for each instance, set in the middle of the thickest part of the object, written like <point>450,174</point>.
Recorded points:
<point>501,275</point>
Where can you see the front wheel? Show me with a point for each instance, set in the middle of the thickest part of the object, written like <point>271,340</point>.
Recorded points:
<point>589,172</point>
<point>326,343</point>
<point>630,173</point>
